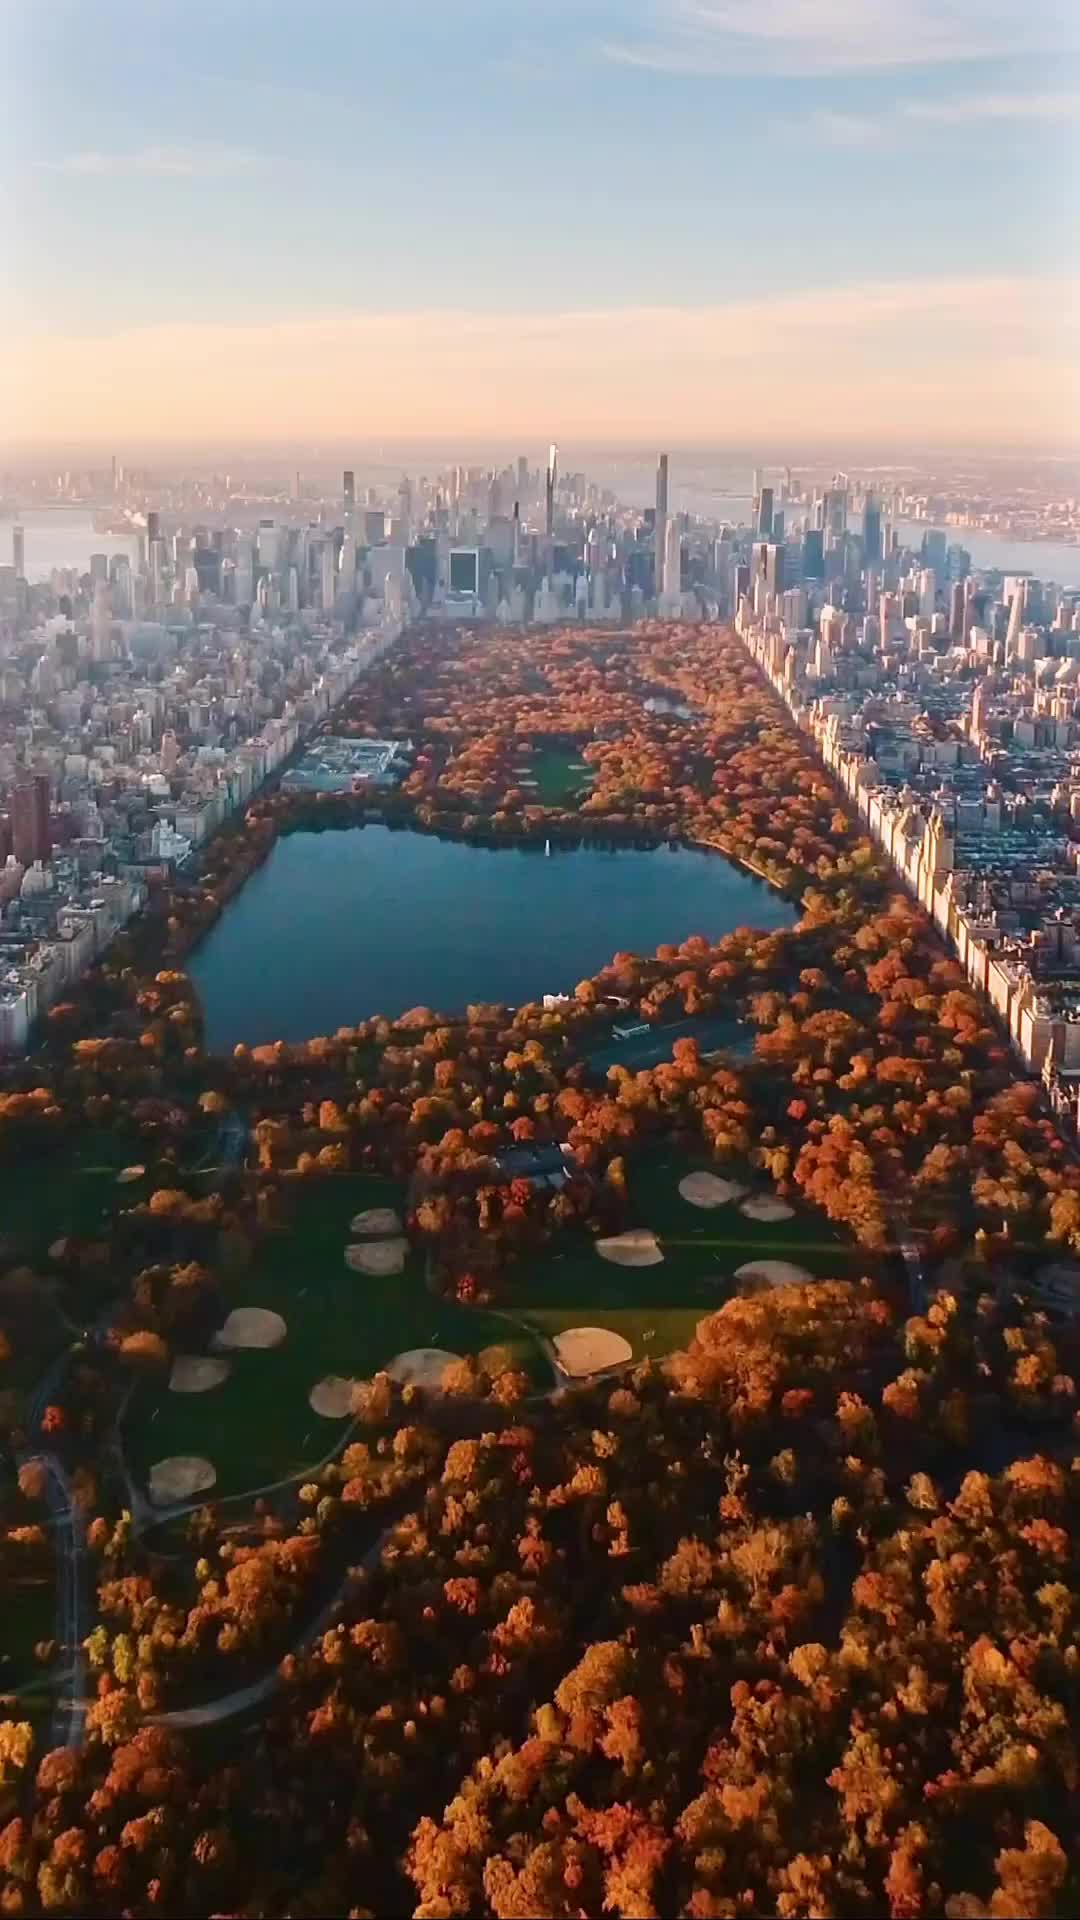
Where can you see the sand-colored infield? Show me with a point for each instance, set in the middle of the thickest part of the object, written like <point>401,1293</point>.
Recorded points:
<point>775,1273</point>
<point>251,1327</point>
<point>765,1206</point>
<point>197,1373</point>
<point>583,1350</point>
<point>180,1478</point>
<point>638,1248</point>
<point>421,1367</point>
<point>375,1220</point>
<point>332,1397</point>
<point>128,1175</point>
<point>378,1256</point>
<point>708,1190</point>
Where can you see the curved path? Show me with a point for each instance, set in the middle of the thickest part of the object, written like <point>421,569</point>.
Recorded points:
<point>72,1615</point>
<point>213,1712</point>
<point>68,1724</point>
<point>72,1622</point>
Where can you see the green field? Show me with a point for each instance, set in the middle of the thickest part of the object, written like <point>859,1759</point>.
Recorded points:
<point>713,1033</point>
<point>258,1427</point>
<point>27,1615</point>
<point>71,1191</point>
<point>45,1197</point>
<point>657,1308</point>
<point>560,776</point>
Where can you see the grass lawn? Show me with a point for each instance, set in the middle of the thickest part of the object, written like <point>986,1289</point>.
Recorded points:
<point>258,1427</point>
<point>27,1615</point>
<point>657,1308</point>
<point>71,1191</point>
<point>49,1196</point>
<point>560,776</point>
<point>713,1033</point>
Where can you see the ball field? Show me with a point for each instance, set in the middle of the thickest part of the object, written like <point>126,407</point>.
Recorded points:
<point>337,1295</point>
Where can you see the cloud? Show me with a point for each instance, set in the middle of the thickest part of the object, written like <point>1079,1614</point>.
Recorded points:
<point>994,358</point>
<point>902,117</point>
<point>995,106</point>
<point>717,37</point>
<point>207,161</point>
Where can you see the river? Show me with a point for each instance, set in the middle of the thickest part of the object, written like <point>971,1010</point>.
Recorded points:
<point>59,539</point>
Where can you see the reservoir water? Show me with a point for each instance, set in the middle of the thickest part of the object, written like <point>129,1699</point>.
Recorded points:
<point>340,925</point>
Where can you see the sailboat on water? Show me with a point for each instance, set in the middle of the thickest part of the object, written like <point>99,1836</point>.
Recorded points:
<point>547,849</point>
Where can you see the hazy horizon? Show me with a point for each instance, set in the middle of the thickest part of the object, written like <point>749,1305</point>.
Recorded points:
<point>201,452</point>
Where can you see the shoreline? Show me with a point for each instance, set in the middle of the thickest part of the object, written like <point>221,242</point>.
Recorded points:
<point>571,842</point>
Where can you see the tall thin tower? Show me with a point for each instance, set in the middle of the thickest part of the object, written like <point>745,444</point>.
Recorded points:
<point>1017,609</point>
<point>660,527</point>
<point>347,563</point>
<point>552,481</point>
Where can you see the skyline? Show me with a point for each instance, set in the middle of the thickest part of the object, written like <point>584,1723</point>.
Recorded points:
<point>701,224</point>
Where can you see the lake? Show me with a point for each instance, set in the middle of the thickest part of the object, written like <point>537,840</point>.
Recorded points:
<point>340,925</point>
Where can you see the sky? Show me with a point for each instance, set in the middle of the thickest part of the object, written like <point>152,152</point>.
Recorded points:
<point>701,222</point>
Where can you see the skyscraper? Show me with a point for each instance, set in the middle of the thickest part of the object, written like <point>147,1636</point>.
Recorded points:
<point>935,550</point>
<point>552,482</point>
<point>871,531</point>
<point>326,575</point>
<point>660,526</point>
<point>30,834</point>
<point>1017,607</point>
<point>101,623</point>
<point>835,508</point>
<point>120,589</point>
<point>18,552</point>
<point>156,561</point>
<point>346,580</point>
<point>813,556</point>
<point>348,489</point>
<point>764,511</point>
<point>672,560</point>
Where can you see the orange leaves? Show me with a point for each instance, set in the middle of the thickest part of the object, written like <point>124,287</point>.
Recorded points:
<point>463,1595</point>
<point>1030,1877</point>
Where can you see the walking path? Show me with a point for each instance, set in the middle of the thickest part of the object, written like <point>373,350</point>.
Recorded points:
<point>72,1613</point>
<point>213,1712</point>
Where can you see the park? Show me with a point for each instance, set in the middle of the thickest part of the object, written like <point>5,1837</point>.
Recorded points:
<point>335,1324</point>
